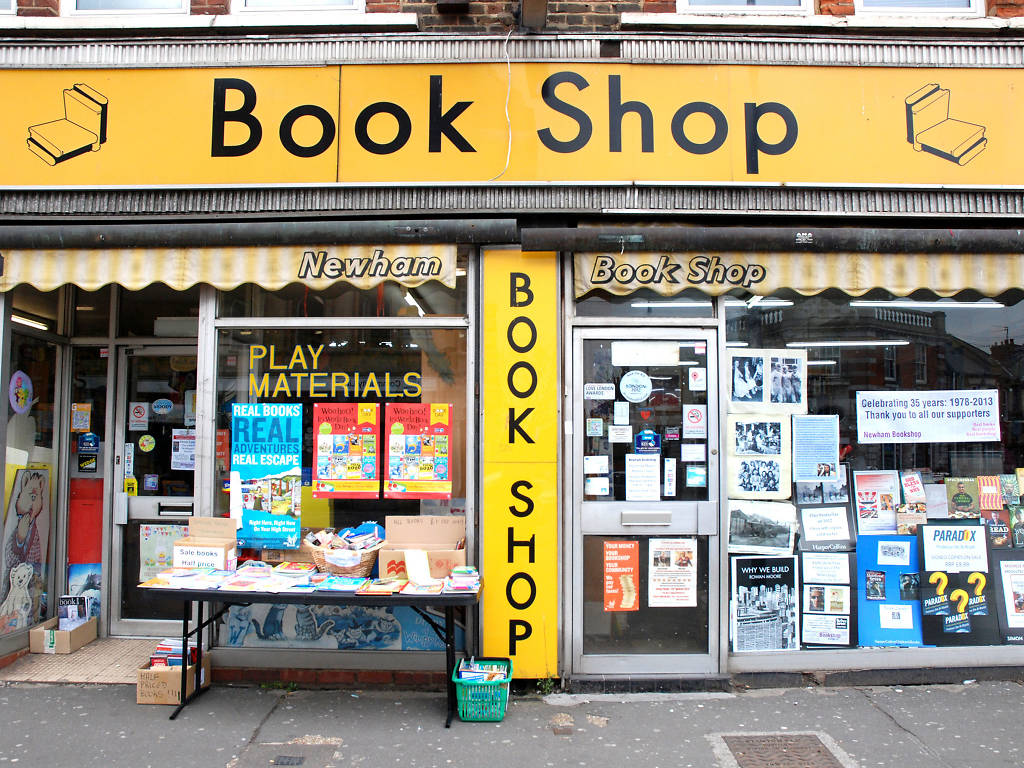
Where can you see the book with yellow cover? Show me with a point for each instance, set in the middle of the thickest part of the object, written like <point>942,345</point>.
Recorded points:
<point>382,586</point>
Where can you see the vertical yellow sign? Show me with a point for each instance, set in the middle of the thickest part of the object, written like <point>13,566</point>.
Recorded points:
<point>520,483</point>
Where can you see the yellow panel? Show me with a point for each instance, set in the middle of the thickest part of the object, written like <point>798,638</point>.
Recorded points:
<point>512,431</point>
<point>566,122</point>
<point>160,126</point>
<point>520,485</point>
<point>519,615</point>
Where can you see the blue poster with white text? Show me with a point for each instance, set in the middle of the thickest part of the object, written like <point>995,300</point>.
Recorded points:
<point>266,473</point>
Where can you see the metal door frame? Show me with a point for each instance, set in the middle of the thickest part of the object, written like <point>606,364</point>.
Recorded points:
<point>121,510</point>
<point>701,518</point>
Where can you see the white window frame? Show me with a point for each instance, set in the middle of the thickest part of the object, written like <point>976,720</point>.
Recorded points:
<point>69,8</point>
<point>282,6</point>
<point>10,11</point>
<point>976,9</point>
<point>805,8</point>
<point>920,364</point>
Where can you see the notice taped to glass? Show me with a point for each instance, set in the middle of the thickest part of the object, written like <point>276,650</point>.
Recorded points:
<point>672,573</point>
<point>941,416</point>
<point>621,575</point>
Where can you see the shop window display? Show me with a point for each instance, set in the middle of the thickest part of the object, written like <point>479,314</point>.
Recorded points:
<point>911,418</point>
<point>28,508</point>
<point>340,398</point>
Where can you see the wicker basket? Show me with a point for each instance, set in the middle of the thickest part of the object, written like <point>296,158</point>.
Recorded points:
<point>367,557</point>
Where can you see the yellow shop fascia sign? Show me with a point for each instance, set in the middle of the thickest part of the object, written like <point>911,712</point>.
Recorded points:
<point>567,122</point>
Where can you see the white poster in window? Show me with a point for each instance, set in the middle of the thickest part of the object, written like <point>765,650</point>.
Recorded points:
<point>623,434</point>
<point>697,379</point>
<point>939,416</point>
<point>670,477</point>
<point>183,449</point>
<point>620,413</point>
<point>954,548</point>
<point>826,598</point>
<point>138,417</point>
<point>825,630</point>
<point>877,495</point>
<point>815,448</point>
<point>695,421</point>
<point>895,616</point>
<point>825,523</point>
<point>692,452</point>
<point>672,573</point>
<point>599,391</point>
<point>190,407</point>
<point>894,553</point>
<point>767,381</point>
<point>595,465</point>
<point>643,477</point>
<point>156,548</point>
<point>595,486</point>
<point>826,567</point>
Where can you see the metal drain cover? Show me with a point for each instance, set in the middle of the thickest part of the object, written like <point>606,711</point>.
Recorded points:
<point>780,751</point>
<point>289,760</point>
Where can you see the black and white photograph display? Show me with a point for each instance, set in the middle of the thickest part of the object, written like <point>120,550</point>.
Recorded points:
<point>768,381</point>
<point>758,453</point>
<point>747,382</point>
<point>763,527</point>
<point>765,604</point>
<point>786,380</point>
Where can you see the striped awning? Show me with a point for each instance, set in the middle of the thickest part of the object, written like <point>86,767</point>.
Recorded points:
<point>317,266</point>
<point>808,273</point>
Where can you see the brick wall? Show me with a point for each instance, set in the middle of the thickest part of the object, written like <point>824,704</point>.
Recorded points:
<point>39,7</point>
<point>210,7</point>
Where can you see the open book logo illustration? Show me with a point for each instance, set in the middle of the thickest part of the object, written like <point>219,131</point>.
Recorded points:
<point>83,127</point>
<point>931,129</point>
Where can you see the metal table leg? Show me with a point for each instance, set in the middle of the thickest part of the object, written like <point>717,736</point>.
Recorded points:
<point>186,613</point>
<point>449,652</point>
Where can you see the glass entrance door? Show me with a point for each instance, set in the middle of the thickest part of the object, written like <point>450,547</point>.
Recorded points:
<point>645,477</point>
<point>154,480</point>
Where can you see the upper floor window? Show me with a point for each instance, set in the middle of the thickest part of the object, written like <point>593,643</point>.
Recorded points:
<point>745,6</point>
<point>121,6</point>
<point>947,7</point>
<point>7,6</point>
<point>295,5</point>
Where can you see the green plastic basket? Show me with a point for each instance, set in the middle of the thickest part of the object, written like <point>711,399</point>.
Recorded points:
<point>483,701</point>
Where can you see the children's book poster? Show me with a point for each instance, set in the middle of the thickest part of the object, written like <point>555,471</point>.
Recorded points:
<point>266,473</point>
<point>888,594</point>
<point>419,441</point>
<point>346,457</point>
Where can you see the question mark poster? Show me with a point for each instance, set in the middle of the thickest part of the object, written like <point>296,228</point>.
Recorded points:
<point>956,596</point>
<point>888,598</point>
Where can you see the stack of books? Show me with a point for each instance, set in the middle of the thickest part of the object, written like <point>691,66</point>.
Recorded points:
<point>474,670</point>
<point>463,578</point>
<point>73,611</point>
<point>294,573</point>
<point>342,583</point>
<point>382,586</point>
<point>168,653</point>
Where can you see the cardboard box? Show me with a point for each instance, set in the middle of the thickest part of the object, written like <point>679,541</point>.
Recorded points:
<point>212,543</point>
<point>46,638</point>
<point>438,535</point>
<point>304,554</point>
<point>162,685</point>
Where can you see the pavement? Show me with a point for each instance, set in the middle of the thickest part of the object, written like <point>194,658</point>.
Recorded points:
<point>967,725</point>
